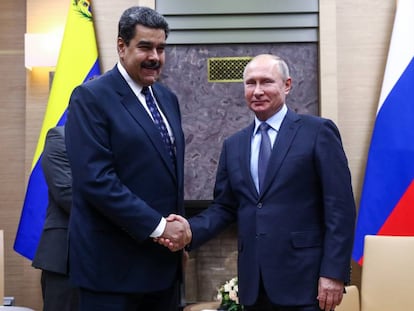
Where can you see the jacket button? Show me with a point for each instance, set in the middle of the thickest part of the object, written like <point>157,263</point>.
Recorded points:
<point>259,205</point>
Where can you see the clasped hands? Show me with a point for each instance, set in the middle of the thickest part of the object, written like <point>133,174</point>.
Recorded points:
<point>177,233</point>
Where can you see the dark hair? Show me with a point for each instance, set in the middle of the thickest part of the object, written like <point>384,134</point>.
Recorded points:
<point>142,16</point>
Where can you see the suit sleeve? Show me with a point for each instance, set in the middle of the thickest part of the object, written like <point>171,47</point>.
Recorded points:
<point>222,211</point>
<point>56,168</point>
<point>338,200</point>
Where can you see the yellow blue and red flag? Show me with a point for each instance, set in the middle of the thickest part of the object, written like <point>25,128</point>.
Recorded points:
<point>77,62</point>
<point>387,200</point>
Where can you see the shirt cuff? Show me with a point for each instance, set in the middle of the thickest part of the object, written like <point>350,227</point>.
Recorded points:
<point>160,229</point>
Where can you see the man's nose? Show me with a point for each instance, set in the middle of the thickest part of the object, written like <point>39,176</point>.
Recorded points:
<point>153,54</point>
<point>258,90</point>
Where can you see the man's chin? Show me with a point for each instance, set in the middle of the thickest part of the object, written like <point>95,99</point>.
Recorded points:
<point>258,108</point>
<point>148,80</point>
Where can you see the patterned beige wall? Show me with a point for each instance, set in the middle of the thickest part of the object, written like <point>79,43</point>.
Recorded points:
<point>354,44</point>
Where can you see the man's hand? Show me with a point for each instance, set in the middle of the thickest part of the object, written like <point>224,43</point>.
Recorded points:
<point>177,233</point>
<point>330,293</point>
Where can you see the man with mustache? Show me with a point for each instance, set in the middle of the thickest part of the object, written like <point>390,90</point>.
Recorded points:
<point>126,150</point>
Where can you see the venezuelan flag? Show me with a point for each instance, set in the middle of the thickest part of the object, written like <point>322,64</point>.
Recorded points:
<point>77,62</point>
<point>387,200</point>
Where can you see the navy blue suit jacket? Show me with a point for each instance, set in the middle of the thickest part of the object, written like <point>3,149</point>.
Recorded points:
<point>123,183</point>
<point>301,226</point>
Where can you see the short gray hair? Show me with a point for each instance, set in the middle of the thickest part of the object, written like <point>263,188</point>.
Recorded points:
<point>283,67</point>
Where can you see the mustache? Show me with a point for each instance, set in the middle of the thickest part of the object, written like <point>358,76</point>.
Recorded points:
<point>151,64</point>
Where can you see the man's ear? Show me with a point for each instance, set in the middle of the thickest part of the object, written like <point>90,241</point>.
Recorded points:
<point>288,85</point>
<point>120,45</point>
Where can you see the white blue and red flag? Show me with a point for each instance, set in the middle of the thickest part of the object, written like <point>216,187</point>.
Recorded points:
<point>387,199</point>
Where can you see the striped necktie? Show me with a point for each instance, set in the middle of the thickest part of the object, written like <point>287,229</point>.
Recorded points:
<point>264,153</point>
<point>159,122</point>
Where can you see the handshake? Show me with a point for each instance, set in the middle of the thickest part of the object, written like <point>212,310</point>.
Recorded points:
<point>177,233</point>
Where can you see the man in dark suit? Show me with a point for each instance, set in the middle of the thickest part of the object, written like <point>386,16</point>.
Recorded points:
<point>52,253</point>
<point>126,150</point>
<point>296,220</point>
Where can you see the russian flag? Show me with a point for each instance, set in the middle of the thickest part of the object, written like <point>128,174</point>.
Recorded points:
<point>387,200</point>
<point>77,62</point>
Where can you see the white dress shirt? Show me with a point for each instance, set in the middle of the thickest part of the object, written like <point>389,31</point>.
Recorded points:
<point>275,122</point>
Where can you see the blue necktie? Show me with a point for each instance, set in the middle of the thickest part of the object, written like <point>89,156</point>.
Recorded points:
<point>159,122</point>
<point>264,153</point>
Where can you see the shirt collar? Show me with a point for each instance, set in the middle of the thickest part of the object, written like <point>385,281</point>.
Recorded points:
<point>134,86</point>
<point>274,121</point>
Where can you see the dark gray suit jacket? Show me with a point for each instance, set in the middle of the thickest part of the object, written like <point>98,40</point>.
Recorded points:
<point>52,252</point>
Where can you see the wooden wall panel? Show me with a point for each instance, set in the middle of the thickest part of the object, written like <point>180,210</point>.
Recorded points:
<point>12,125</point>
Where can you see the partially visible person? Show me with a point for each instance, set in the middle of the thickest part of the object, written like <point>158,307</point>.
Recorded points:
<point>52,253</point>
<point>126,150</point>
<point>295,214</point>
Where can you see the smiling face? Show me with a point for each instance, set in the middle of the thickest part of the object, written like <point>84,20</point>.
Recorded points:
<point>144,57</point>
<point>265,88</point>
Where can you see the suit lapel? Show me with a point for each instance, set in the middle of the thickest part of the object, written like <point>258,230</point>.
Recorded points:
<point>174,121</point>
<point>138,112</point>
<point>284,139</point>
